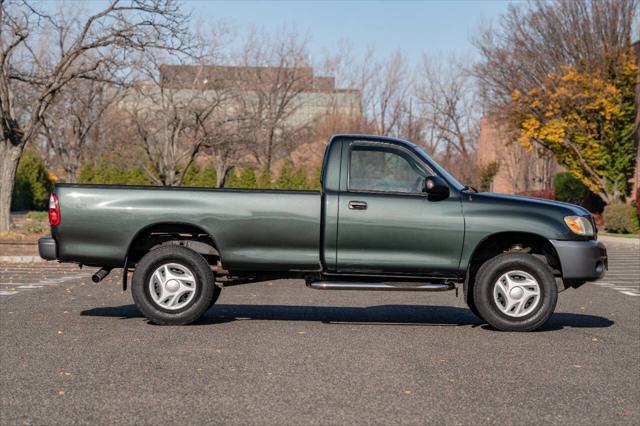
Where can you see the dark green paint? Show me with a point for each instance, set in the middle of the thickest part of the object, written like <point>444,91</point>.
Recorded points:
<point>283,231</point>
<point>258,230</point>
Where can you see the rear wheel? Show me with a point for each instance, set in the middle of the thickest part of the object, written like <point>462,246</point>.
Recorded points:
<point>472,306</point>
<point>515,292</point>
<point>173,285</point>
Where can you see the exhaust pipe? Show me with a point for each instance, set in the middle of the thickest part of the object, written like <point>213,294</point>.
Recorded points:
<point>100,275</point>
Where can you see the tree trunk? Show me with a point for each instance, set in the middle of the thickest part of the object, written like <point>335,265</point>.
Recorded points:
<point>9,158</point>
<point>222,172</point>
<point>72,174</point>
<point>269,154</point>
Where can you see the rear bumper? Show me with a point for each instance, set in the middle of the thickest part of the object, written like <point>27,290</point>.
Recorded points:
<point>47,248</point>
<point>582,260</point>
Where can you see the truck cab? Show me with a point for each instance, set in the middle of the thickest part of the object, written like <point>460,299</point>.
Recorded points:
<point>380,216</point>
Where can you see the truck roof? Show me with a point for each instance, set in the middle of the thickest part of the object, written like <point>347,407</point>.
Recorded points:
<point>372,138</point>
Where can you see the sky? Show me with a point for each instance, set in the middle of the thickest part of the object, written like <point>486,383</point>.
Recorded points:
<point>414,27</point>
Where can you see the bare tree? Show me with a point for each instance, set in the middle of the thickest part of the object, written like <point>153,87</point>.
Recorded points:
<point>222,129</point>
<point>449,110</point>
<point>179,110</point>
<point>227,142</point>
<point>390,95</point>
<point>275,75</point>
<point>347,111</point>
<point>534,41</point>
<point>41,53</point>
<point>169,121</point>
<point>384,86</point>
<point>72,123</point>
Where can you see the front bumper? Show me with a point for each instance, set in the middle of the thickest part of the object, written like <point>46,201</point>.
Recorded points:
<point>47,248</point>
<point>582,260</point>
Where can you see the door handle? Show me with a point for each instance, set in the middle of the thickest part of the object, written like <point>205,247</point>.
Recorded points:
<point>357,205</point>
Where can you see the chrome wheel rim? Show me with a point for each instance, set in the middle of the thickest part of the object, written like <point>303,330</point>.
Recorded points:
<point>516,293</point>
<point>172,286</point>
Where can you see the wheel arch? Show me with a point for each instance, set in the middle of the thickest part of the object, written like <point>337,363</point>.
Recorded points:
<point>508,241</point>
<point>162,233</point>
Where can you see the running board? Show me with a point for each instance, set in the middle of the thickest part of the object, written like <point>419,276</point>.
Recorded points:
<point>388,286</point>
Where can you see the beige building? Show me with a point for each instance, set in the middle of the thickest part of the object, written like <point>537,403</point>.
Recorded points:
<point>519,170</point>
<point>317,104</point>
<point>316,96</point>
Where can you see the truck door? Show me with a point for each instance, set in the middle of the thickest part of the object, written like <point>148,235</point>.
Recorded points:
<point>386,223</point>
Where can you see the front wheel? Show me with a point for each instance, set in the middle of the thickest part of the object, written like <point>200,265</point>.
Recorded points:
<point>173,285</point>
<point>515,292</point>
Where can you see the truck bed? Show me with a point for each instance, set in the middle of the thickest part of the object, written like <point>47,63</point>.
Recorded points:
<point>266,230</point>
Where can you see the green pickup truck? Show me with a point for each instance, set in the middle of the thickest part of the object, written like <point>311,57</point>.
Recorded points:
<point>388,217</point>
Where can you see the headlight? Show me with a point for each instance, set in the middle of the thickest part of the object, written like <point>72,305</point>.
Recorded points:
<point>579,225</point>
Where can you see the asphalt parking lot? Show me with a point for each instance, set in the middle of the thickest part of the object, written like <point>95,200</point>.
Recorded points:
<point>278,353</point>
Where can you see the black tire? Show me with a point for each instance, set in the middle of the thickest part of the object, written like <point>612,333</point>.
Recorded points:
<point>205,289</point>
<point>471,304</point>
<point>493,269</point>
<point>216,293</point>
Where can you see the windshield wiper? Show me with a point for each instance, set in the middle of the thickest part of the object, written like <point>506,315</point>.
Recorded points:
<point>469,188</point>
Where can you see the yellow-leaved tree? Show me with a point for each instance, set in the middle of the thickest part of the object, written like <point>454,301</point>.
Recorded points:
<point>587,120</point>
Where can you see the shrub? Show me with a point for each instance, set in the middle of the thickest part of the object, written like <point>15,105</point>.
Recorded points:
<point>105,173</point>
<point>638,201</point>
<point>570,189</point>
<point>620,218</point>
<point>242,179</point>
<point>299,180</point>
<point>285,176</point>
<point>487,173</point>
<point>291,177</point>
<point>247,179</point>
<point>264,180</point>
<point>288,177</point>
<point>203,177</point>
<point>32,185</point>
<point>314,184</point>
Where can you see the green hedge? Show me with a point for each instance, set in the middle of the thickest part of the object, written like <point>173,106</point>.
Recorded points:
<point>288,177</point>
<point>32,184</point>
<point>110,174</point>
<point>202,177</point>
<point>245,178</point>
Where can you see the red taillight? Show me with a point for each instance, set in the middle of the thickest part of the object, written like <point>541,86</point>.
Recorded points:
<point>54,210</point>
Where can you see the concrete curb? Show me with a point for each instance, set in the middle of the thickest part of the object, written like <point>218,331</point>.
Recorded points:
<point>21,259</point>
<point>607,239</point>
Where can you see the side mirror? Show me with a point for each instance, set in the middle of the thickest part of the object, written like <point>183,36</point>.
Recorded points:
<point>436,186</point>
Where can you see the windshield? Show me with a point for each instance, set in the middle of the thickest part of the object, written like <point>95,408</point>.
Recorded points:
<point>441,171</point>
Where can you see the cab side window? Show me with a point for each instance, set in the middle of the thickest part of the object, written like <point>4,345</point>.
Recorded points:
<point>384,169</point>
